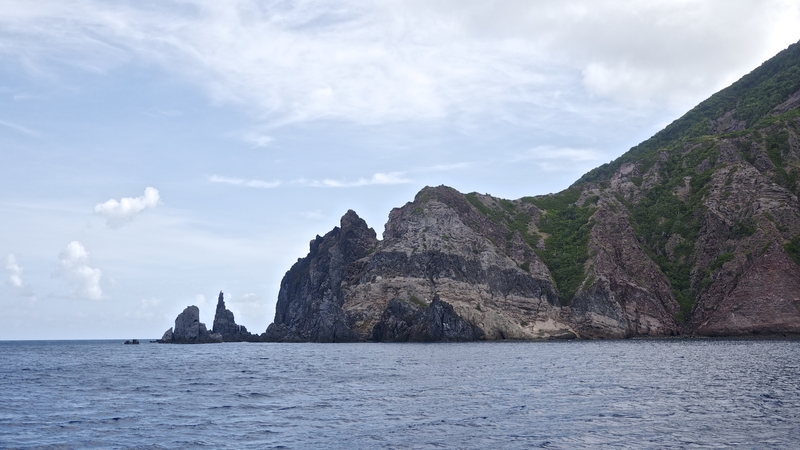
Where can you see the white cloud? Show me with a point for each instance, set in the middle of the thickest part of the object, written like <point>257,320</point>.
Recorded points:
<point>19,128</point>
<point>375,179</point>
<point>445,167</point>
<point>15,272</point>
<point>256,139</point>
<point>74,264</point>
<point>248,298</point>
<point>312,215</point>
<point>242,182</point>
<point>118,213</point>
<point>552,159</point>
<point>382,61</point>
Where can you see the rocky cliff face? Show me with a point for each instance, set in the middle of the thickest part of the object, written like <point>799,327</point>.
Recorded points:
<point>310,300</point>
<point>695,231</point>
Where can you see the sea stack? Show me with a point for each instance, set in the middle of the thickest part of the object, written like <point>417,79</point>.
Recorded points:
<point>225,325</point>
<point>189,330</point>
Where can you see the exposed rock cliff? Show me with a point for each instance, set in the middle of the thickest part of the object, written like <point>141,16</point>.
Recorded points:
<point>694,231</point>
<point>310,300</point>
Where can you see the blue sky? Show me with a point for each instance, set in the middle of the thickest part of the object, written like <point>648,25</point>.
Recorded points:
<point>155,153</point>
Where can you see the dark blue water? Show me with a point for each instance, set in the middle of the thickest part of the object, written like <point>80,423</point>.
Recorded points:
<point>621,394</point>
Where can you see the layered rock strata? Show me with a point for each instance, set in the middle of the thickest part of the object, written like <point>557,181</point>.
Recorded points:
<point>695,231</point>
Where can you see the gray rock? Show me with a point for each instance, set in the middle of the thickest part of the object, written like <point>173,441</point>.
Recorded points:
<point>310,300</point>
<point>225,325</point>
<point>402,322</point>
<point>166,338</point>
<point>189,330</point>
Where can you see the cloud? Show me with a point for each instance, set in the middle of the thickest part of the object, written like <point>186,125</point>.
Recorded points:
<point>74,264</point>
<point>242,182</point>
<point>415,60</point>
<point>248,298</point>
<point>14,272</point>
<point>118,213</point>
<point>145,311</point>
<point>552,159</point>
<point>257,140</point>
<point>312,215</point>
<point>375,179</point>
<point>19,128</point>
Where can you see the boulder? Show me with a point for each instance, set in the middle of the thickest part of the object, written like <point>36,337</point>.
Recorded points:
<point>166,337</point>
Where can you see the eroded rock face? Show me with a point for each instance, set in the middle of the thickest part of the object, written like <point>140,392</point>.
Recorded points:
<point>225,325</point>
<point>447,270</point>
<point>630,295</point>
<point>765,300</point>
<point>310,300</point>
<point>189,330</point>
<point>404,322</point>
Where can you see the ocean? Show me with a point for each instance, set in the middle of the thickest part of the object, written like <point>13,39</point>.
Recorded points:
<point>671,393</point>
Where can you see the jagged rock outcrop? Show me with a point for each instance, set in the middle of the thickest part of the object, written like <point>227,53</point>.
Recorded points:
<point>310,299</point>
<point>225,325</point>
<point>189,330</point>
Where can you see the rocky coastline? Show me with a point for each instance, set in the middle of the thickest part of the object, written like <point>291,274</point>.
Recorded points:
<point>694,232</point>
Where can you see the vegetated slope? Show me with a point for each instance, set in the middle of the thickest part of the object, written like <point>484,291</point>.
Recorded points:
<point>712,200</point>
<point>696,230</point>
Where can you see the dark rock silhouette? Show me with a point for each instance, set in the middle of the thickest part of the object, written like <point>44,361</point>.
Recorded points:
<point>189,330</point>
<point>403,322</point>
<point>310,300</point>
<point>225,325</point>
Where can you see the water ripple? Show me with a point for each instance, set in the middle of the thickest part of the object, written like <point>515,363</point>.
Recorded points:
<point>583,394</point>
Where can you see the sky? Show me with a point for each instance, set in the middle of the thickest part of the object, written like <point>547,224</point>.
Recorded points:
<point>155,153</point>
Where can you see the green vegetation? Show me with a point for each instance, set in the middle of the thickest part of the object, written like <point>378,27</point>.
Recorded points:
<point>559,201</point>
<point>720,261</point>
<point>507,215</point>
<point>793,249</point>
<point>686,154</point>
<point>662,214</point>
<point>751,99</point>
<point>566,249</point>
<point>743,229</point>
<point>417,301</point>
<point>777,145</point>
<point>568,226</point>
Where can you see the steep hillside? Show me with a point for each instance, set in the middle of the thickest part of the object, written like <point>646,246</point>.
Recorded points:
<point>694,231</point>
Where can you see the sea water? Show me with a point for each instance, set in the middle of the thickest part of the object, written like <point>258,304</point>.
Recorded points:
<point>679,393</point>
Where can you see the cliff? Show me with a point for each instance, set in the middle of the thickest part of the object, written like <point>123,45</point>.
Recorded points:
<point>695,231</point>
